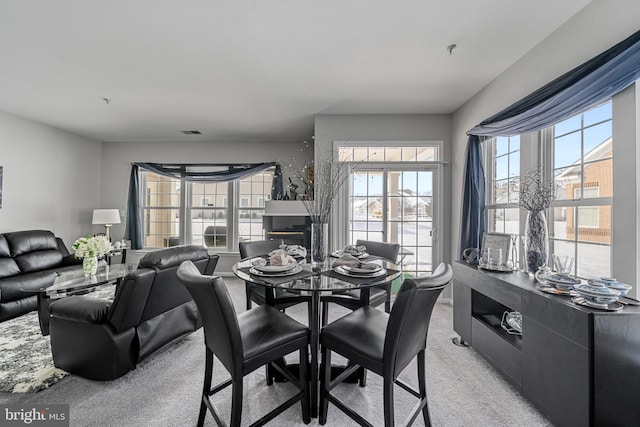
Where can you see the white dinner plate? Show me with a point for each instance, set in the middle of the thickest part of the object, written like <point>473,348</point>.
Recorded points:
<point>344,272</point>
<point>360,270</point>
<point>297,269</point>
<point>275,268</point>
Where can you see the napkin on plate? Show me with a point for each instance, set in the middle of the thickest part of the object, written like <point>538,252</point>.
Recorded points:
<point>281,258</point>
<point>294,250</point>
<point>347,259</point>
<point>355,250</point>
<point>369,266</point>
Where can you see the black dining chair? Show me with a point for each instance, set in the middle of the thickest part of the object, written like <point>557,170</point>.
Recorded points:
<point>377,295</point>
<point>384,344</point>
<point>387,251</point>
<point>243,343</point>
<point>256,293</point>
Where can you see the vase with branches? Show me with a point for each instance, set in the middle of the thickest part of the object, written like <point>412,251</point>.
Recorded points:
<point>323,180</point>
<point>328,178</point>
<point>536,195</point>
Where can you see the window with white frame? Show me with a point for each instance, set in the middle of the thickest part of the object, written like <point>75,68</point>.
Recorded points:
<point>577,154</point>
<point>579,151</point>
<point>502,172</point>
<point>209,206</point>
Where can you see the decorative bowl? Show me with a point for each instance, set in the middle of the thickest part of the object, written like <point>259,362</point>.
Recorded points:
<point>597,293</point>
<point>611,283</point>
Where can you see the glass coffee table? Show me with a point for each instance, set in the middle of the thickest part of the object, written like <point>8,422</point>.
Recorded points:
<point>76,283</point>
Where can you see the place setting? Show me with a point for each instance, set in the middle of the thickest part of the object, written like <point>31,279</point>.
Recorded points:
<point>559,280</point>
<point>297,252</point>
<point>352,269</point>
<point>357,251</point>
<point>604,293</point>
<point>279,267</point>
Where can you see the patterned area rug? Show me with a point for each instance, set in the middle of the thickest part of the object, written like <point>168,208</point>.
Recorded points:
<point>26,365</point>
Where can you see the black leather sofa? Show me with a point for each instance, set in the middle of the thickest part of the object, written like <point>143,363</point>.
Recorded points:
<point>29,260</point>
<point>103,340</point>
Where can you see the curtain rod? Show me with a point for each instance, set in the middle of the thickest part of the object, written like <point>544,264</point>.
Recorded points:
<point>202,164</point>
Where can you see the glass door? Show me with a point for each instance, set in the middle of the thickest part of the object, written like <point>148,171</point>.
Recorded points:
<point>397,205</point>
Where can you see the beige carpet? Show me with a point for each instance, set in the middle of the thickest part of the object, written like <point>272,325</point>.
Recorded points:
<point>164,389</point>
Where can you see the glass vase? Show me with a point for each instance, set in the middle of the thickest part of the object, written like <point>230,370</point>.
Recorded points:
<point>90,266</point>
<point>536,241</point>
<point>319,242</point>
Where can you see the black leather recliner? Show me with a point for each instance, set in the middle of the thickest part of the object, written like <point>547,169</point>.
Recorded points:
<point>103,340</point>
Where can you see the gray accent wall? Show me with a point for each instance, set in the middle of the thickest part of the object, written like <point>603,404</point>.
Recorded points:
<point>51,179</point>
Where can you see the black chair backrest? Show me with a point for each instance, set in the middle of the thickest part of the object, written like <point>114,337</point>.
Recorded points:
<point>409,320</point>
<point>259,247</point>
<point>153,288</point>
<point>219,320</point>
<point>381,249</point>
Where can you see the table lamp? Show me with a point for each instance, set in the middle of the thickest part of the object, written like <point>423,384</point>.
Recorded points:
<point>107,217</point>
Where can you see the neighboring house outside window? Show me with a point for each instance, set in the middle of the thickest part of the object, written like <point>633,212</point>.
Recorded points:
<point>581,152</point>
<point>577,153</point>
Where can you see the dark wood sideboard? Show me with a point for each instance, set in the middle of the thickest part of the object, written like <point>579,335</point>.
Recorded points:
<point>578,366</point>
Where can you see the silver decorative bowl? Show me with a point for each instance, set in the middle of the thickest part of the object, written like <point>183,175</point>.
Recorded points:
<point>611,283</point>
<point>597,293</point>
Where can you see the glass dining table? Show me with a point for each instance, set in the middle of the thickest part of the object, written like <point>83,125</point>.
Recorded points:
<point>314,281</point>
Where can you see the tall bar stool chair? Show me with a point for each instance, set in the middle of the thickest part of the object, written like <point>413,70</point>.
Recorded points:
<point>388,251</point>
<point>384,344</point>
<point>377,294</point>
<point>256,293</point>
<point>243,343</point>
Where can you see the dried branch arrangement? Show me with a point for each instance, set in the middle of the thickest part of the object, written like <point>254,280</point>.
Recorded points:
<point>328,179</point>
<point>536,194</point>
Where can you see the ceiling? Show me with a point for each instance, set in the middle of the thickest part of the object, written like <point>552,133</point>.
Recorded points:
<point>240,70</point>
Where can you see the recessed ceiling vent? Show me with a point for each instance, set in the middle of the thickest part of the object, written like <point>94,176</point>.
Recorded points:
<point>191,132</point>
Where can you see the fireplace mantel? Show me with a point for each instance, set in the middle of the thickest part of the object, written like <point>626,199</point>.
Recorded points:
<point>285,208</point>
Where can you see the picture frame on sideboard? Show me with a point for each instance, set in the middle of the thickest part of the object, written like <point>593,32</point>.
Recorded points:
<point>497,241</point>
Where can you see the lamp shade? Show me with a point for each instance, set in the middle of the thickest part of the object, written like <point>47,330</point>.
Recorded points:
<point>106,216</point>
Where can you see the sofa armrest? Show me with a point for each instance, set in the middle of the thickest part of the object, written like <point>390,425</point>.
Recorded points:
<point>71,259</point>
<point>81,308</point>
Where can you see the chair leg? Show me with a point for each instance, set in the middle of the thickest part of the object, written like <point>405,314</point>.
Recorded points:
<point>387,301</point>
<point>387,390</point>
<point>423,387</point>
<point>362,382</point>
<point>304,381</point>
<point>247,292</point>
<point>267,373</point>
<point>325,380</point>
<point>325,314</point>
<point>206,387</point>
<point>236,402</point>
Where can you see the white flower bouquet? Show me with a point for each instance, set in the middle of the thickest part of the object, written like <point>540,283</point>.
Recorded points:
<point>87,247</point>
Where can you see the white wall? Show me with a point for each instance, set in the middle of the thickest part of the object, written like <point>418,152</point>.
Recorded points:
<point>117,158</point>
<point>51,179</point>
<point>596,28</point>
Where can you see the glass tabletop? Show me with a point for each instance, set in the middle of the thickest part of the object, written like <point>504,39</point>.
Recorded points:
<point>76,280</point>
<point>325,277</point>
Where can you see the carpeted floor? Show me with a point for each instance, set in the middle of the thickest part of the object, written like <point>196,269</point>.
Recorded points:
<point>26,365</point>
<point>164,390</point>
<point>25,357</point>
